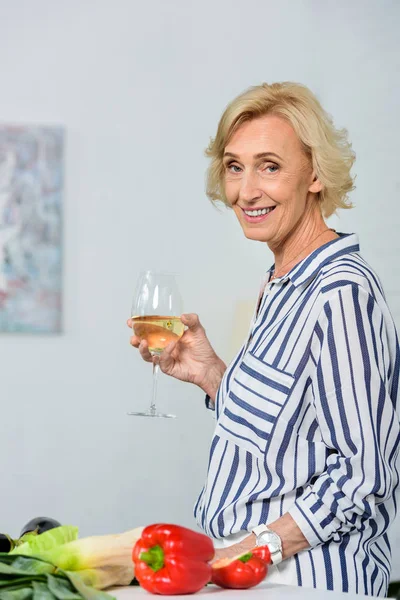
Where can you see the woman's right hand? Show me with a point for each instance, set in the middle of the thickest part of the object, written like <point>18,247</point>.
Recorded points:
<point>191,358</point>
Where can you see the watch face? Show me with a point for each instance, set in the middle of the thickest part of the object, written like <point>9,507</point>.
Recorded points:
<point>271,539</point>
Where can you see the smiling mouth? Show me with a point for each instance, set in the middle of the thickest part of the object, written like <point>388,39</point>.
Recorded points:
<point>259,212</point>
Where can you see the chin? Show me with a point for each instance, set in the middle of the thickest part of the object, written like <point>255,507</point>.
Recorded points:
<point>257,236</point>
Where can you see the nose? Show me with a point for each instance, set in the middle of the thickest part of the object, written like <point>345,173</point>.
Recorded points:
<point>249,192</point>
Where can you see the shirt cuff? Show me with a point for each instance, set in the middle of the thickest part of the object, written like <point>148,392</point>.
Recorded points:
<point>313,519</point>
<point>209,403</point>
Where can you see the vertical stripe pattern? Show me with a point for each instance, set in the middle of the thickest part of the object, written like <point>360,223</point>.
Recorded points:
<point>307,423</point>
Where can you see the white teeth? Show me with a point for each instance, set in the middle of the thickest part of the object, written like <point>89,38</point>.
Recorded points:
<point>258,213</point>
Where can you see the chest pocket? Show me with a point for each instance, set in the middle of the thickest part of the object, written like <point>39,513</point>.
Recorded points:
<point>256,395</point>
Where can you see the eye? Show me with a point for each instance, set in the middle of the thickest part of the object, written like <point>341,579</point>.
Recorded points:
<point>271,168</point>
<point>230,166</point>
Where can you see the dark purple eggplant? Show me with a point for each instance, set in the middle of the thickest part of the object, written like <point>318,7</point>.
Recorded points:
<point>39,525</point>
<point>6,543</point>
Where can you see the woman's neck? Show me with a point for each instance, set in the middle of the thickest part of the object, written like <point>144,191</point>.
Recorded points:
<point>300,243</point>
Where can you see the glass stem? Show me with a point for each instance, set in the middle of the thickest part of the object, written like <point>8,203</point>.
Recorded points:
<point>153,408</point>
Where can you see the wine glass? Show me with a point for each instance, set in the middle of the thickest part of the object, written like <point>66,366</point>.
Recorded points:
<point>155,314</point>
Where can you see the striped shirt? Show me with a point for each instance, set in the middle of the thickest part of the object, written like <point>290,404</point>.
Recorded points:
<point>307,423</point>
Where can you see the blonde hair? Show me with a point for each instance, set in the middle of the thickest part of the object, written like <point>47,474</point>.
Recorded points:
<point>327,147</point>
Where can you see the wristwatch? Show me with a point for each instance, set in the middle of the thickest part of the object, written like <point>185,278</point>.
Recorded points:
<point>267,537</point>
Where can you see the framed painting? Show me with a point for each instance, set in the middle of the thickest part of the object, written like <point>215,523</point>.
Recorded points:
<point>31,191</point>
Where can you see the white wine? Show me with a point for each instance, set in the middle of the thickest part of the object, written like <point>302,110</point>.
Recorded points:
<point>158,331</point>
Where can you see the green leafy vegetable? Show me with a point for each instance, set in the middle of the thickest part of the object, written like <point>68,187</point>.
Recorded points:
<point>17,594</point>
<point>37,544</point>
<point>29,578</point>
<point>61,588</point>
<point>40,591</point>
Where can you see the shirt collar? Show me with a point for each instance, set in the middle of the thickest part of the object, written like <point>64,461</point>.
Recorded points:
<point>309,266</point>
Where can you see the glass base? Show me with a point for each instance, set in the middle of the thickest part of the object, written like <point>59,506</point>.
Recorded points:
<point>151,414</point>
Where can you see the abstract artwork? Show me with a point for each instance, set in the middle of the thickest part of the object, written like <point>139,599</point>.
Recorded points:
<point>31,187</point>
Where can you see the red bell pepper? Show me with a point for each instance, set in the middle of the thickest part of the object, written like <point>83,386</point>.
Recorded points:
<point>263,553</point>
<point>243,572</point>
<point>170,559</point>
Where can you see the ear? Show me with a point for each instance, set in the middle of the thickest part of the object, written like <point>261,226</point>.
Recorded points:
<point>316,186</point>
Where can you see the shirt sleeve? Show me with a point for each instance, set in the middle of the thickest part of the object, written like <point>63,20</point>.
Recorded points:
<point>355,388</point>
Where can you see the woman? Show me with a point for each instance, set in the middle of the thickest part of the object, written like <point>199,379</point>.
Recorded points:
<point>303,456</point>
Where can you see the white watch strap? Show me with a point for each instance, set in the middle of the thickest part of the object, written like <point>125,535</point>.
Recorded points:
<point>260,529</point>
<point>276,556</point>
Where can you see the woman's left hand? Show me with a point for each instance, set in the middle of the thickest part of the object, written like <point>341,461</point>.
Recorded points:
<point>236,549</point>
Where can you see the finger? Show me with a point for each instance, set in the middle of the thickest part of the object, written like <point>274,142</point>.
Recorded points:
<point>135,341</point>
<point>129,323</point>
<point>144,351</point>
<point>166,360</point>
<point>170,347</point>
<point>192,321</point>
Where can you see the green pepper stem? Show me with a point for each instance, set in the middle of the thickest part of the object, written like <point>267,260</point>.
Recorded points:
<point>246,557</point>
<point>154,558</point>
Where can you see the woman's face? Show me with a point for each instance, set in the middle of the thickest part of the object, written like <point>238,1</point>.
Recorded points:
<point>266,170</point>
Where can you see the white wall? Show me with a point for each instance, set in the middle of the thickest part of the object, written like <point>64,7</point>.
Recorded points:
<point>140,87</point>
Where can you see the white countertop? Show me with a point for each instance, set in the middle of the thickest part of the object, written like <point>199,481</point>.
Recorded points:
<point>280,592</point>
